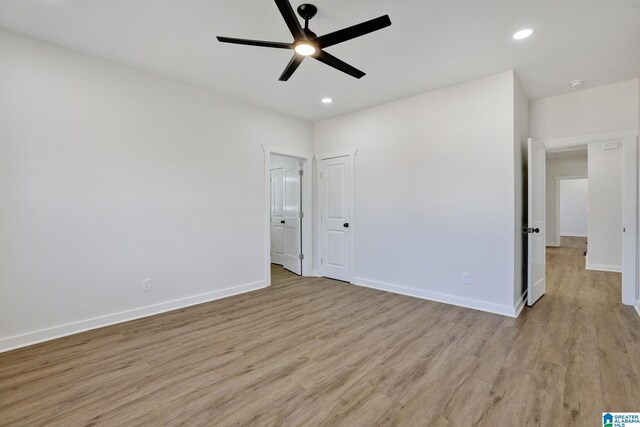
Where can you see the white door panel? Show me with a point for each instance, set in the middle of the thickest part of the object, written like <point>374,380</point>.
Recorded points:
<point>292,261</point>
<point>277,193</point>
<point>536,227</point>
<point>336,191</point>
<point>335,218</point>
<point>291,237</point>
<point>336,249</point>
<point>277,216</point>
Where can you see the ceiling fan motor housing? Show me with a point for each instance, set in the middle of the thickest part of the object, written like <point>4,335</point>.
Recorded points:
<point>307,11</point>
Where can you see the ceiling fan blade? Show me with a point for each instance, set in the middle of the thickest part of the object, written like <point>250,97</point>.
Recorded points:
<point>291,20</point>
<point>260,43</point>
<point>293,66</point>
<point>353,31</point>
<point>338,64</point>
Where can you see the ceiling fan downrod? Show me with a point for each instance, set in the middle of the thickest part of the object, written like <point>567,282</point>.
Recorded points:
<point>306,12</point>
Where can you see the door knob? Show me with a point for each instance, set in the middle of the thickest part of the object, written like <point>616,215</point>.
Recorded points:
<point>345,225</point>
<point>282,222</point>
<point>530,230</point>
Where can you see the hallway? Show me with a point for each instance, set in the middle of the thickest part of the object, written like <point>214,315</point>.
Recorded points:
<point>589,334</point>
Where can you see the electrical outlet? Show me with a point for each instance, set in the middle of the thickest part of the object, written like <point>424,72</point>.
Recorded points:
<point>146,285</point>
<point>466,278</point>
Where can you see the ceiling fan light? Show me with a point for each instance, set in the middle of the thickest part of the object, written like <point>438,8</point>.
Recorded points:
<point>305,49</point>
<point>523,34</point>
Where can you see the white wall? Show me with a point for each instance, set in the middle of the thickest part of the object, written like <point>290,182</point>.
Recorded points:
<point>573,207</point>
<point>110,175</point>
<point>605,208</point>
<point>601,109</point>
<point>565,166</point>
<point>638,222</point>
<point>521,136</point>
<point>435,192</point>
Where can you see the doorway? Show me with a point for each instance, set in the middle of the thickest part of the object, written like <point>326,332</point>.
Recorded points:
<point>572,208</point>
<point>288,190</point>
<point>286,213</point>
<point>336,215</point>
<point>612,208</point>
<point>572,212</point>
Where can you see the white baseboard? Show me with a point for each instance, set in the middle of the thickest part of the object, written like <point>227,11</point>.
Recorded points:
<point>35,337</point>
<point>553,244</point>
<point>638,306</point>
<point>573,235</point>
<point>504,310</point>
<point>600,267</point>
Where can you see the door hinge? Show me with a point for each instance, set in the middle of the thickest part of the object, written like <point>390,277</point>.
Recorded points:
<point>321,261</point>
<point>301,214</point>
<point>301,256</point>
<point>300,172</point>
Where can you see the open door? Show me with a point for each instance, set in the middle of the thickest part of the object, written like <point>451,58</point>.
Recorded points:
<point>536,229</point>
<point>277,216</point>
<point>292,259</point>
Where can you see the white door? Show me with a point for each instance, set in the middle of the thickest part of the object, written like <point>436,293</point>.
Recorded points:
<point>536,227</point>
<point>335,218</point>
<point>292,253</point>
<point>277,216</point>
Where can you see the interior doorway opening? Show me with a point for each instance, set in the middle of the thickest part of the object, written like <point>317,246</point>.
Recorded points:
<point>568,199</point>
<point>572,209</point>
<point>286,212</point>
<point>611,194</point>
<point>300,240</point>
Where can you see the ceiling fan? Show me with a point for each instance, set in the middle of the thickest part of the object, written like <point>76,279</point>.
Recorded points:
<point>307,43</point>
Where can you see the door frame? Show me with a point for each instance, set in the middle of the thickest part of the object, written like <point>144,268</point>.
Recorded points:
<point>557,180</point>
<point>629,140</point>
<point>351,153</point>
<point>306,160</point>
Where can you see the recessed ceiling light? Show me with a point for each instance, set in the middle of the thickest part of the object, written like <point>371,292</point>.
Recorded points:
<point>576,84</point>
<point>327,100</point>
<point>523,34</point>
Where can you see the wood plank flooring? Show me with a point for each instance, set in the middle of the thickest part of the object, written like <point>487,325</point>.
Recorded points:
<point>573,242</point>
<point>311,351</point>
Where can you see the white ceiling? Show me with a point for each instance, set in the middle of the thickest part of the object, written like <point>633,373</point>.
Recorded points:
<point>431,44</point>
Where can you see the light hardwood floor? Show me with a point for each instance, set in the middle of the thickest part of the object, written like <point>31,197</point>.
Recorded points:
<point>573,242</point>
<point>319,352</point>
